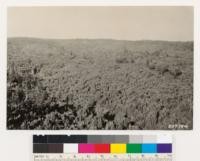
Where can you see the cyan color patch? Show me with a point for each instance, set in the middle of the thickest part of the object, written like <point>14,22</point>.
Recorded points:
<point>149,148</point>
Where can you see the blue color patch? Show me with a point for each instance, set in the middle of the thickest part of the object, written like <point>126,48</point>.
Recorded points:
<point>149,148</point>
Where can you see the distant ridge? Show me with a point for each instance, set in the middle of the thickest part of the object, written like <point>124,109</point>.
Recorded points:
<point>90,39</point>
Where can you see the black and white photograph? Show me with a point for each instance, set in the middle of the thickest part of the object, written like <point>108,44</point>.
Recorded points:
<point>100,67</point>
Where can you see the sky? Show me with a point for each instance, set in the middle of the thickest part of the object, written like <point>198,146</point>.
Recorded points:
<point>171,23</point>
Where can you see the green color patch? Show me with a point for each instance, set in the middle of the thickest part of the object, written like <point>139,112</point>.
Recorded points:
<point>134,148</point>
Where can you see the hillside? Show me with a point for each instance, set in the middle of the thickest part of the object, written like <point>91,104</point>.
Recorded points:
<point>99,84</point>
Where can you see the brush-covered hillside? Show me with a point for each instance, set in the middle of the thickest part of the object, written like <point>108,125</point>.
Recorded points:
<point>99,84</point>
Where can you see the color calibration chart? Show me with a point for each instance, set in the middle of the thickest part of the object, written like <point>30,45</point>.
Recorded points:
<point>102,148</point>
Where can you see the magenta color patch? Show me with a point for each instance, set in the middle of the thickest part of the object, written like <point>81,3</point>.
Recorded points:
<point>86,148</point>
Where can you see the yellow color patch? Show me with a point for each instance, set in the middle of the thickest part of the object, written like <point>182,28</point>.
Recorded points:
<point>118,148</point>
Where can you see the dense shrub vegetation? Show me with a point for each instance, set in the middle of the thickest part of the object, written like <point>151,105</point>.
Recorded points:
<point>99,84</point>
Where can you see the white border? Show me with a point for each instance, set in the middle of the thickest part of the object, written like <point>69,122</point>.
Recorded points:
<point>74,3</point>
<point>3,63</point>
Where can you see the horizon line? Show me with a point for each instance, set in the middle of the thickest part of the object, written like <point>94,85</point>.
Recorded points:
<point>42,38</point>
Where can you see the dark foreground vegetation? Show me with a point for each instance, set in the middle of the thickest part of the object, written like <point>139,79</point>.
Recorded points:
<point>99,84</point>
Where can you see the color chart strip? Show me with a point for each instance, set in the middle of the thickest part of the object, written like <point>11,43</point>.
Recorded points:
<point>102,148</point>
<point>102,139</point>
<point>117,144</point>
